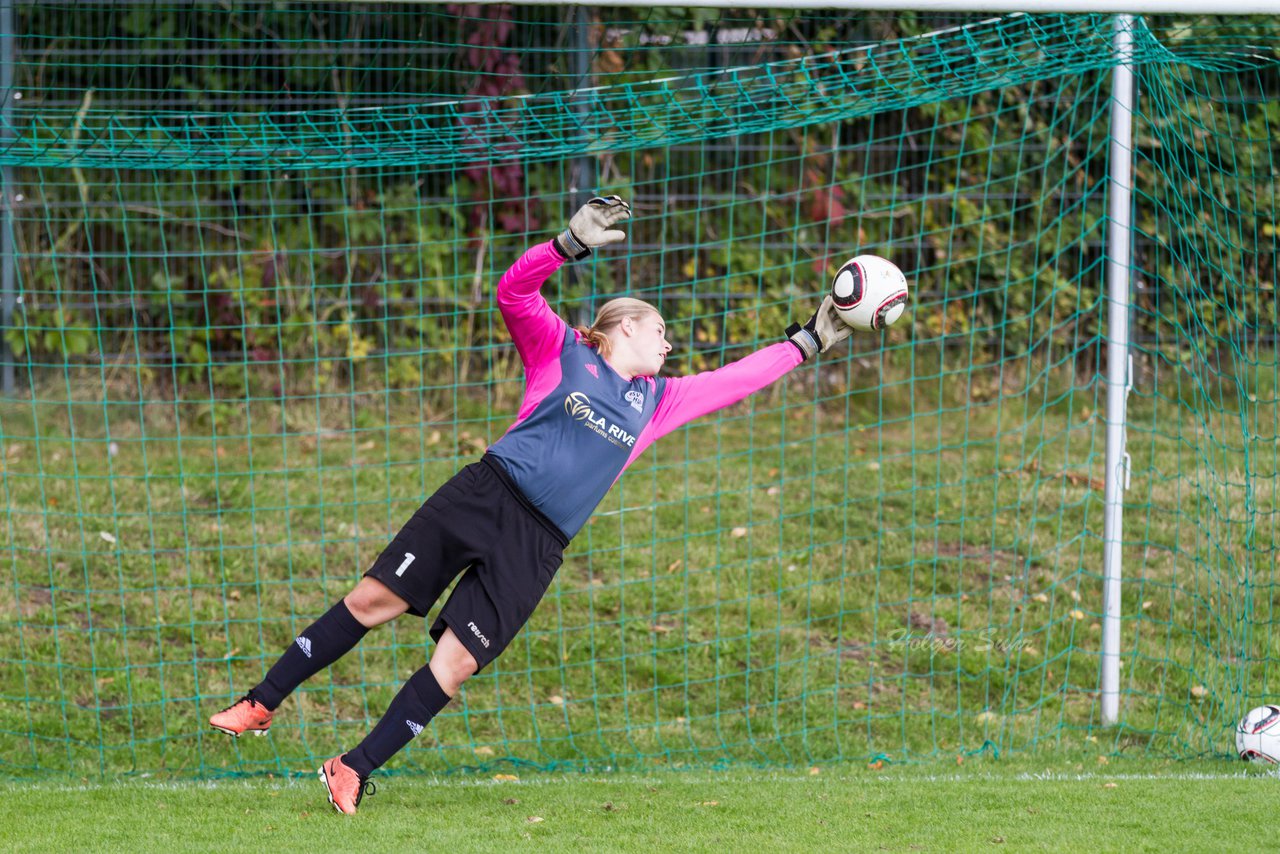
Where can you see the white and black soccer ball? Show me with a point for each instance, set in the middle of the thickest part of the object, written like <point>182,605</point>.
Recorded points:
<point>1258,735</point>
<point>870,292</point>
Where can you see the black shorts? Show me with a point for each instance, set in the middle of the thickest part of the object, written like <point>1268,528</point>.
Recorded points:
<point>478,521</point>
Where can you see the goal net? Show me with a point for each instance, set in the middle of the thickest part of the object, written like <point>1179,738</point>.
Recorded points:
<point>251,328</point>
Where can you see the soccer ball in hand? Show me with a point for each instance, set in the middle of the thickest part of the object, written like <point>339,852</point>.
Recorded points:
<point>1258,734</point>
<point>869,292</point>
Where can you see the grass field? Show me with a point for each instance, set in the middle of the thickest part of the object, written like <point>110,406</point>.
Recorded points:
<point>984,805</point>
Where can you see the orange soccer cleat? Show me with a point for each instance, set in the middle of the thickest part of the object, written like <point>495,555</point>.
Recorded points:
<point>344,785</point>
<point>244,715</point>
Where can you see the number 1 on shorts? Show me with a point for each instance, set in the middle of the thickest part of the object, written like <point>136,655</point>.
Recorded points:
<point>408,559</point>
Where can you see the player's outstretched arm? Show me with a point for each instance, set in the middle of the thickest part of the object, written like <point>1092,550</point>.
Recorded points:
<point>690,397</point>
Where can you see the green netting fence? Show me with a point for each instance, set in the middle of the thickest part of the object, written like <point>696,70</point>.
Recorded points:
<point>253,248</point>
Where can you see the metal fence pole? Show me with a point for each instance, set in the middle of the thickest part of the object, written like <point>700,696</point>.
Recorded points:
<point>584,179</point>
<point>8,296</point>
<point>1119,361</point>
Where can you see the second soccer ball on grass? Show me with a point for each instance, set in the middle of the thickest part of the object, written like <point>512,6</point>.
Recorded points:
<point>1258,735</point>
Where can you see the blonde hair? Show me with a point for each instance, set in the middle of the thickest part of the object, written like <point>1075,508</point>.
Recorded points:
<point>608,317</point>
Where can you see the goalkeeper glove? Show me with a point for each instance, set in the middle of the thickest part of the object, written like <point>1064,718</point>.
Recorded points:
<point>589,227</point>
<point>821,332</point>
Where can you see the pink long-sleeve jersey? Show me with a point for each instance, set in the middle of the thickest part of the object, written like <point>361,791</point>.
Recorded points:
<point>580,423</point>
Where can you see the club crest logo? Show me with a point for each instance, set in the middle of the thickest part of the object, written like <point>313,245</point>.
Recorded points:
<point>636,399</point>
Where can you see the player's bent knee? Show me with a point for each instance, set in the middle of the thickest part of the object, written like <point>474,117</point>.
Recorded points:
<point>452,664</point>
<point>372,603</point>
<point>458,668</point>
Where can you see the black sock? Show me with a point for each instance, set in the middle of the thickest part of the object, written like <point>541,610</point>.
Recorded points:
<point>320,644</point>
<point>420,699</point>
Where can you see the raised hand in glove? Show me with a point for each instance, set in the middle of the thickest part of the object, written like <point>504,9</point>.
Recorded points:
<point>821,332</point>
<point>590,227</point>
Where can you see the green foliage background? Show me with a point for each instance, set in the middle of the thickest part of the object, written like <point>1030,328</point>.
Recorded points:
<point>993,203</point>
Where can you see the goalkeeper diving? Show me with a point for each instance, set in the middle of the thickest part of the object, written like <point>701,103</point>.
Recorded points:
<point>594,400</point>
